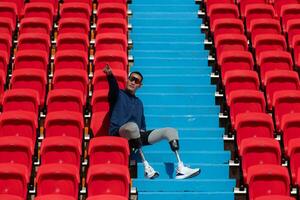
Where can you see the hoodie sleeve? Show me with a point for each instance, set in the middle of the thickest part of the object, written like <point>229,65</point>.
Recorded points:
<point>143,125</point>
<point>113,89</point>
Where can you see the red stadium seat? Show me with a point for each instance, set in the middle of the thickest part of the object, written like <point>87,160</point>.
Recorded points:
<point>112,10</point>
<point>112,1</point>
<point>235,60</point>
<point>65,99</point>
<point>115,59</point>
<point>112,25</point>
<point>58,179</point>
<point>89,2</point>
<point>108,150</point>
<point>111,41</point>
<point>30,79</point>
<point>34,41</point>
<point>107,197</point>
<point>100,81</point>
<point>14,179</point>
<point>6,26</point>
<point>54,196</point>
<point>245,101</point>
<point>268,180</point>
<point>245,3</point>
<point>285,102</point>
<point>100,123</point>
<point>100,101</point>
<point>289,12</point>
<point>240,79</point>
<point>73,41</point>
<point>227,26</point>
<point>71,59</point>
<point>277,80</point>
<point>31,59</point>
<point>274,60</point>
<point>10,197</point>
<point>279,3</point>
<point>259,151</point>
<point>2,82</point>
<point>5,43</point>
<point>19,123</point>
<point>275,197</point>
<point>256,125</point>
<point>73,25</point>
<point>296,50</point>
<point>290,128</point>
<point>35,25</point>
<point>64,123</point>
<point>108,179</point>
<point>292,30</point>
<point>264,26</point>
<point>39,9</point>
<point>4,61</point>
<point>9,10</point>
<point>230,42</point>
<point>208,3</point>
<point>75,10</point>
<point>293,153</point>
<point>222,11</point>
<point>61,150</point>
<point>53,2</point>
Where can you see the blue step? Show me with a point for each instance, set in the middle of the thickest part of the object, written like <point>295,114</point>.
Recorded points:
<point>163,2</point>
<point>166,30</point>
<point>167,54</point>
<point>170,15</point>
<point>180,110</point>
<point>177,89</point>
<point>176,79</point>
<point>163,8</point>
<point>166,38</point>
<point>202,132</point>
<point>191,46</point>
<point>186,195</point>
<point>173,70</point>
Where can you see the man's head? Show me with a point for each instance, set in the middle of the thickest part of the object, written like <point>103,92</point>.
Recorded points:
<point>134,82</point>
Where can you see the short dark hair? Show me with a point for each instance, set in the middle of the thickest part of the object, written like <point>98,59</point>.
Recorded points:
<point>138,73</point>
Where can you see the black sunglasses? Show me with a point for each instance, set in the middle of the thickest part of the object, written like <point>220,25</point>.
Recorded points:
<point>136,80</point>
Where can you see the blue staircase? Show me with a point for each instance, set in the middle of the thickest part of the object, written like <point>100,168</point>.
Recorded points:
<point>168,50</point>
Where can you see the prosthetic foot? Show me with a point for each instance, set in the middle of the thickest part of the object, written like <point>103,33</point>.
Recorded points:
<point>150,172</point>
<point>183,172</point>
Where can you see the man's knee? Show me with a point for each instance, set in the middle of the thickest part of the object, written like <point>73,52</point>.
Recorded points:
<point>130,131</point>
<point>171,133</point>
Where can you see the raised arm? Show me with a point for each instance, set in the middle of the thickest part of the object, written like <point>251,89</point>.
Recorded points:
<point>113,85</point>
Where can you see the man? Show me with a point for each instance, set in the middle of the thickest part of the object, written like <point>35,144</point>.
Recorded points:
<point>128,121</point>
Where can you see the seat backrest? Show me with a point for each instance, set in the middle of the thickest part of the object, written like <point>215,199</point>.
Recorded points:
<point>100,123</point>
<point>296,49</point>
<point>111,41</point>
<point>37,9</point>
<point>112,10</point>
<point>53,2</point>
<point>100,101</point>
<point>100,80</point>
<point>34,41</point>
<point>89,2</point>
<point>275,197</point>
<point>208,3</point>
<point>75,10</point>
<point>289,12</point>
<point>292,30</point>
<point>290,129</point>
<point>6,26</point>
<point>71,59</point>
<point>112,25</point>
<point>9,10</point>
<point>73,41</point>
<point>222,11</point>
<point>110,197</point>
<point>35,25</point>
<point>31,59</point>
<point>264,26</point>
<point>244,3</point>
<point>73,25</point>
<point>115,59</point>
<point>227,26</point>
<point>5,43</point>
<point>293,153</point>
<point>3,65</point>
<point>279,3</point>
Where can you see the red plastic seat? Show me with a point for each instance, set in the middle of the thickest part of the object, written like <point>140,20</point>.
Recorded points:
<point>9,10</point>
<point>111,41</point>
<point>113,179</point>
<point>65,99</point>
<point>2,82</point>
<point>21,99</point>
<point>227,26</point>
<point>30,79</point>
<point>296,50</point>
<point>54,196</point>
<point>208,3</point>
<point>53,2</point>
<point>74,25</point>
<point>61,150</point>
<point>240,79</point>
<point>58,179</point>
<point>19,123</point>
<point>100,101</point>
<point>107,197</point>
<point>37,25</point>
<point>222,11</point>
<point>16,150</point>
<point>269,42</point>
<point>275,197</point>
<point>10,197</point>
<point>277,80</point>
<point>290,128</point>
<point>108,150</point>
<point>6,26</point>
<point>4,61</point>
<point>34,41</point>
<point>245,3</point>
<point>259,151</point>
<point>292,30</point>
<point>73,41</point>
<point>112,25</point>
<point>112,1</point>
<point>13,180</point>
<point>256,125</point>
<point>100,123</point>
<point>39,9</point>
<point>89,2</point>
<point>100,81</point>
<point>75,10</point>
<point>245,101</point>
<point>230,42</point>
<point>31,59</point>
<point>268,180</point>
<point>279,3</point>
<point>64,123</point>
<point>235,60</point>
<point>71,59</point>
<point>289,12</point>
<point>274,60</point>
<point>115,59</point>
<point>264,26</point>
<point>293,153</point>
<point>5,43</point>
<point>112,10</point>
<point>285,102</point>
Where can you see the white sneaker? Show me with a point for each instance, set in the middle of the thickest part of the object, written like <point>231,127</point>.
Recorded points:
<point>150,172</point>
<point>183,172</point>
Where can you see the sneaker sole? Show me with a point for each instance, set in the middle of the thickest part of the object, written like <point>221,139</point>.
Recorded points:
<point>189,176</point>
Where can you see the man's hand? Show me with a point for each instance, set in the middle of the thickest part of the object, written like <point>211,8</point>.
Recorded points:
<point>107,70</point>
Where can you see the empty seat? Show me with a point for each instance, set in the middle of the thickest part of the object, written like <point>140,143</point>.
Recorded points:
<point>113,179</point>
<point>73,41</point>
<point>9,10</point>
<point>108,150</point>
<point>285,102</point>
<point>268,180</point>
<point>6,26</point>
<point>61,150</point>
<point>112,10</point>
<point>235,60</point>
<point>274,60</point>
<point>31,59</point>
<point>100,101</point>
<point>21,99</point>
<point>208,3</point>
<point>75,10</point>
<point>227,26</point>
<point>114,1</point>
<point>264,26</point>
<point>292,29</point>
<point>65,99</point>
<point>245,101</point>
<point>259,151</point>
<point>111,41</point>
<point>269,42</point>
<point>289,12</point>
<point>10,197</point>
<point>293,152</point>
<point>245,3</point>
<point>64,123</point>
<point>274,197</point>
<point>71,79</point>
<point>2,82</point>
<point>222,11</point>
<point>277,80</point>
<point>100,81</point>
<point>115,59</point>
<point>19,123</point>
<point>112,25</point>
<point>290,128</point>
<point>71,59</point>
<point>73,25</point>
<point>30,79</point>
<point>296,50</point>
<point>279,3</point>
<point>34,41</point>
<point>100,123</point>
<point>4,61</point>
<point>39,9</point>
<point>16,150</point>
<point>230,42</point>
<point>5,43</point>
<point>58,179</point>
<point>256,125</point>
<point>108,197</point>
<point>54,196</point>
<point>240,79</point>
<point>35,25</point>
<point>89,2</point>
<point>14,179</point>
<point>53,2</point>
